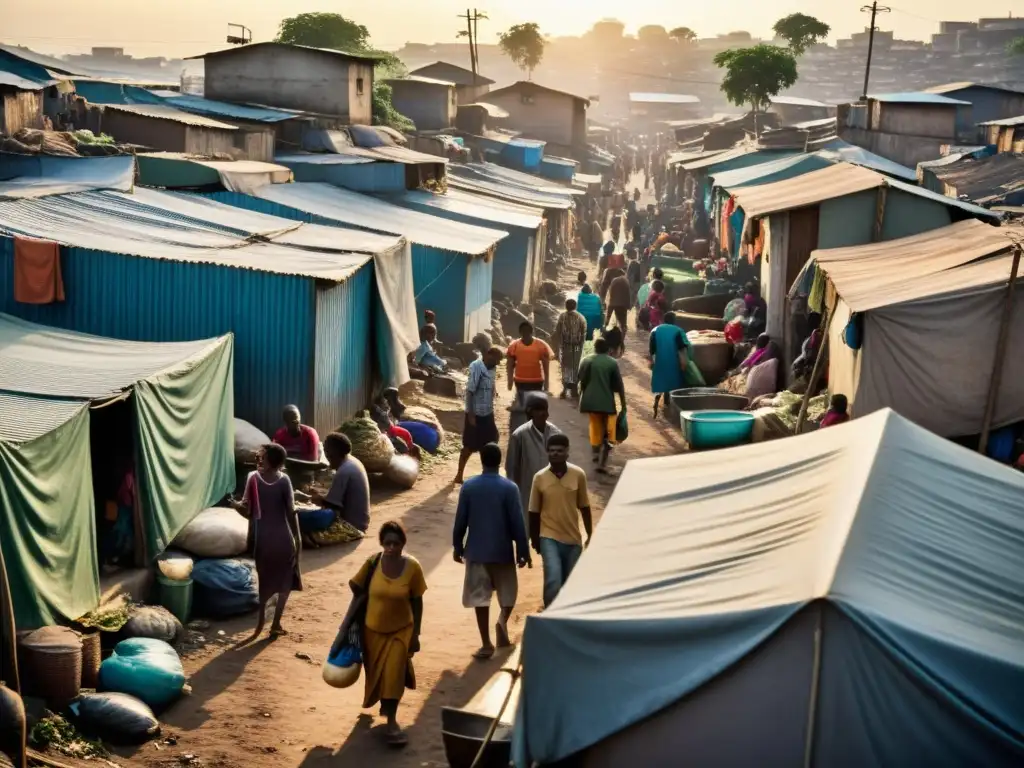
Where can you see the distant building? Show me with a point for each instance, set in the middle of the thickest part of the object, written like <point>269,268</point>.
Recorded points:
<point>469,87</point>
<point>543,113</point>
<point>656,107</point>
<point>906,128</point>
<point>1007,135</point>
<point>988,102</point>
<point>315,80</point>
<point>431,104</point>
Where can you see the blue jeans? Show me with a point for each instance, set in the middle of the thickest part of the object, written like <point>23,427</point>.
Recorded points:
<point>559,560</point>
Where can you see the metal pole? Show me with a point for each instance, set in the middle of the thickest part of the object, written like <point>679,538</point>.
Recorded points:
<point>819,365</point>
<point>874,9</point>
<point>475,42</point>
<point>1001,344</point>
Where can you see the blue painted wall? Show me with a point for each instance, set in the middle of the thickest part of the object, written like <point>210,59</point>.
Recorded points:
<point>907,215</point>
<point>127,297</point>
<point>364,177</point>
<point>438,284</point>
<point>478,296</point>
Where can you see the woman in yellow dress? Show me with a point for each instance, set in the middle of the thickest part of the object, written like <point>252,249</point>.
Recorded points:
<point>391,629</point>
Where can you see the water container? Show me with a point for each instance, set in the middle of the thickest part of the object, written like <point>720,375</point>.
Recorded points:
<point>176,597</point>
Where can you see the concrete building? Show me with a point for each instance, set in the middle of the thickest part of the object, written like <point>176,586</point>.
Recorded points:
<point>314,80</point>
<point>543,113</point>
<point>469,87</point>
<point>431,104</point>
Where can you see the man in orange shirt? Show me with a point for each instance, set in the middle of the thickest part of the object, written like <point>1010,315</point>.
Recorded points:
<point>529,361</point>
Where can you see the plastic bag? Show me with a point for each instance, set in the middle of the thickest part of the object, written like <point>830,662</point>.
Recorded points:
<point>248,440</point>
<point>117,718</point>
<point>621,427</point>
<point>403,471</point>
<point>224,588</point>
<point>148,669</point>
<point>342,669</point>
<point>154,622</point>
<point>214,532</point>
<point>175,565</point>
<point>315,520</point>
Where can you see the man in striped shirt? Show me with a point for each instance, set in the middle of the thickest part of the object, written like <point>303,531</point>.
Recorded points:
<point>480,428</point>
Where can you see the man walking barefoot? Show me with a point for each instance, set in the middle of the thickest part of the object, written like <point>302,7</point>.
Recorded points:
<point>488,522</point>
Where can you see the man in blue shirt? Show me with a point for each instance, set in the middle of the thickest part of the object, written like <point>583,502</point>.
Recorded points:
<point>488,522</point>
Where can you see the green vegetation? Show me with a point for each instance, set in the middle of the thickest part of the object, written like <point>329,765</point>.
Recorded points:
<point>801,31</point>
<point>56,734</point>
<point>683,34</point>
<point>754,75</point>
<point>334,31</point>
<point>1016,48</point>
<point>524,44</point>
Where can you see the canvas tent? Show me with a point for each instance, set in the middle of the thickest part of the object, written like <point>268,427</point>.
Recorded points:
<point>181,399</point>
<point>929,309</point>
<point>854,600</point>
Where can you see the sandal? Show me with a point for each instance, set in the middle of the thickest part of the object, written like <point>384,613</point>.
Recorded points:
<point>397,739</point>
<point>483,654</point>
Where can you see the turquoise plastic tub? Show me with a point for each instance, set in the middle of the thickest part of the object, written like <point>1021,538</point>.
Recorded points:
<point>717,429</point>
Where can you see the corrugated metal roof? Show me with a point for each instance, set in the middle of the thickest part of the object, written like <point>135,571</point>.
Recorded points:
<point>476,206</point>
<point>50,362</point>
<point>1006,121</point>
<point>985,179</point>
<point>311,158</point>
<point>164,112</point>
<point>492,110</point>
<point>367,57</point>
<point>511,176</point>
<point>918,97</point>
<point>24,418</point>
<point>23,83</point>
<point>970,208</point>
<point>454,73</point>
<point>796,101</point>
<point>663,98</point>
<point>951,87</point>
<point>201,106</point>
<point>527,85</point>
<point>842,151</point>
<point>814,187</point>
<point>412,78</point>
<point>188,229</point>
<point>586,178</point>
<point>40,60</point>
<point>359,210</point>
<point>706,161</point>
<point>507,189</point>
<point>739,177</point>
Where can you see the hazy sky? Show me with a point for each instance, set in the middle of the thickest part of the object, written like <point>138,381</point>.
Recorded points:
<point>186,27</point>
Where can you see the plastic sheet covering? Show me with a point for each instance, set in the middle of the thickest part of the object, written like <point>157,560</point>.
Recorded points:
<point>47,513</point>
<point>163,225</point>
<point>39,175</point>
<point>842,151</point>
<point>700,559</point>
<point>359,210</point>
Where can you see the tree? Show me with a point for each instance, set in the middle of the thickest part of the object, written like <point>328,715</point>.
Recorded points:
<point>524,44</point>
<point>1016,47</point>
<point>324,30</point>
<point>683,34</point>
<point>801,31</point>
<point>332,30</point>
<point>652,33</point>
<point>754,75</point>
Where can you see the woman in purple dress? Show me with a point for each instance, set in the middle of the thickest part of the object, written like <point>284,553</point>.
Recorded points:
<point>273,534</point>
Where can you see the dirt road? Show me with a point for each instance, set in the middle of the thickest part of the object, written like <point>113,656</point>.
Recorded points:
<point>266,705</point>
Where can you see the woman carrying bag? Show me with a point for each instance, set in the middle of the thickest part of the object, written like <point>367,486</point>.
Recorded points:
<point>385,615</point>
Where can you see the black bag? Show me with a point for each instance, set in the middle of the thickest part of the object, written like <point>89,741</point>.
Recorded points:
<point>355,631</point>
<point>115,717</point>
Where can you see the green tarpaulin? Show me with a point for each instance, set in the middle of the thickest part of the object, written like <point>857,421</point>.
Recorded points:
<point>185,443</point>
<point>47,516</point>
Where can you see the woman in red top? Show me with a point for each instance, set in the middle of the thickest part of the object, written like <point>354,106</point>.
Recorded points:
<point>837,412</point>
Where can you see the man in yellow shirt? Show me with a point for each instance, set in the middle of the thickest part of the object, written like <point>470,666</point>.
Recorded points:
<point>558,501</point>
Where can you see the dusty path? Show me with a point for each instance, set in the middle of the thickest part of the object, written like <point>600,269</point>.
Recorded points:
<point>267,706</point>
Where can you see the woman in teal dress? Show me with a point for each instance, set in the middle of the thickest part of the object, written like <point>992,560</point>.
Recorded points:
<point>588,304</point>
<point>671,364</point>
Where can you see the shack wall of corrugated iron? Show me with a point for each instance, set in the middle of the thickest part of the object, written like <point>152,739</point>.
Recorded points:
<point>344,358</point>
<point>362,177</point>
<point>478,296</point>
<point>126,297</point>
<point>439,283</point>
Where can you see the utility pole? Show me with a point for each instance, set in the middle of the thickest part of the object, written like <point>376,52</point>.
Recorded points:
<point>874,9</point>
<point>472,18</point>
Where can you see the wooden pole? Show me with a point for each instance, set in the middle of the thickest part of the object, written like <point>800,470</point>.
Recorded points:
<point>1001,343</point>
<point>819,364</point>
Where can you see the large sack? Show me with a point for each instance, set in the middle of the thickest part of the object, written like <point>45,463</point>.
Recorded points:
<point>224,588</point>
<point>175,565</point>
<point>403,471</point>
<point>117,718</point>
<point>154,622</point>
<point>248,440</point>
<point>214,532</point>
<point>148,669</point>
<point>713,357</point>
<point>371,446</point>
<point>426,436</point>
<point>12,727</point>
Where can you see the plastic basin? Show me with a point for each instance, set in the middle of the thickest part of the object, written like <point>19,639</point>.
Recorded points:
<point>717,429</point>
<point>707,399</point>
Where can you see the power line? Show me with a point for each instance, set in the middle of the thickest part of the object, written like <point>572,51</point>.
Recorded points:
<point>874,9</point>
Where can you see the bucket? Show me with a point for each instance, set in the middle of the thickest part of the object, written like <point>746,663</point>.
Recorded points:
<point>176,597</point>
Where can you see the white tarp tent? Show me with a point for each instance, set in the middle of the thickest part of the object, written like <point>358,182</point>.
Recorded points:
<point>854,600</point>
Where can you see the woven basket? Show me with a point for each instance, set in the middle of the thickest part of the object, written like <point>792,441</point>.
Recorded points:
<point>91,657</point>
<point>51,659</point>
